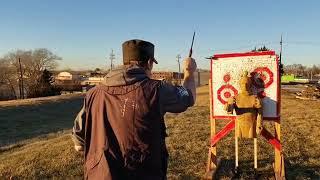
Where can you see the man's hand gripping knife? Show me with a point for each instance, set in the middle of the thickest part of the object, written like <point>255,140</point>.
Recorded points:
<point>189,67</point>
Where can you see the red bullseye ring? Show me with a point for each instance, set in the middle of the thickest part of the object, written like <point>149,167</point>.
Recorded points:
<point>225,92</point>
<point>262,77</point>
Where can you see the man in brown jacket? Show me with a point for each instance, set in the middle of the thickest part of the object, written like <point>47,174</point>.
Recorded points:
<point>121,127</point>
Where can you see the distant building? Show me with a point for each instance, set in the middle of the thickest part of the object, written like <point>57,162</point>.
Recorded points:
<point>92,81</point>
<point>201,77</point>
<point>62,76</point>
<point>163,75</point>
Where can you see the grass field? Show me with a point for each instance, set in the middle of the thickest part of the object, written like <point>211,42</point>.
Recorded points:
<point>38,143</point>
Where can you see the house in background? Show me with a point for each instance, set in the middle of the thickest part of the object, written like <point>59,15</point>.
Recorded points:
<point>92,81</point>
<point>62,76</point>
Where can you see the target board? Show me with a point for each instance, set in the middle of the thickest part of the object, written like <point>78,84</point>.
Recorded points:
<point>226,70</point>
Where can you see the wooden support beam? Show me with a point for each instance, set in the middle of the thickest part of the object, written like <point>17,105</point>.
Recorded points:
<point>212,155</point>
<point>279,168</point>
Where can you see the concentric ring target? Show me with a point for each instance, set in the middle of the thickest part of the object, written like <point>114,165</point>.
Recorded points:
<point>225,92</point>
<point>262,77</point>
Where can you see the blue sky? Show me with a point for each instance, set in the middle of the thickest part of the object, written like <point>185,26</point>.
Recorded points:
<point>84,32</point>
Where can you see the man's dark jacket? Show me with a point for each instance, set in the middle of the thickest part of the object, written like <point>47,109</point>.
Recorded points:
<point>121,125</point>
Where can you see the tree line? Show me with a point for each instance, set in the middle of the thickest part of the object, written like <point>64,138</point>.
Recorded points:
<point>295,69</point>
<point>27,73</point>
<point>301,70</point>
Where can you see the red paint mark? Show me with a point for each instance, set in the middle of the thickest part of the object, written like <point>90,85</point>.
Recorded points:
<point>227,88</point>
<point>225,131</point>
<point>226,78</point>
<point>227,94</point>
<point>271,139</point>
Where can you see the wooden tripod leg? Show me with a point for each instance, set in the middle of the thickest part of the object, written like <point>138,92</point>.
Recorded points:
<point>212,163</point>
<point>279,159</point>
<point>236,152</point>
<point>212,149</point>
<point>255,153</point>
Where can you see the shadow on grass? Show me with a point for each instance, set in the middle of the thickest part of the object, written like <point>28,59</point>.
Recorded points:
<point>299,170</point>
<point>28,121</point>
<point>293,171</point>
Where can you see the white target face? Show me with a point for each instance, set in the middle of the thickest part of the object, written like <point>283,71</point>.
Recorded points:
<point>226,71</point>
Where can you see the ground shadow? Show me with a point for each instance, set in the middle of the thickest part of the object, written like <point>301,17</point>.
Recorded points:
<point>23,122</point>
<point>265,170</point>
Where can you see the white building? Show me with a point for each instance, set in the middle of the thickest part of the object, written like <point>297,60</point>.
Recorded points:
<point>92,81</point>
<point>64,76</point>
<point>67,76</point>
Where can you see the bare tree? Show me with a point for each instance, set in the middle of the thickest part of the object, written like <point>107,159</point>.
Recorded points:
<point>8,76</point>
<point>33,63</point>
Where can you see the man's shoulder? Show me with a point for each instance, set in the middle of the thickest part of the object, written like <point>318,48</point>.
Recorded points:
<point>94,90</point>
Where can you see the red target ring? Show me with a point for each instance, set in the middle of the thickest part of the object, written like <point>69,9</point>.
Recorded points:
<point>225,92</point>
<point>262,77</point>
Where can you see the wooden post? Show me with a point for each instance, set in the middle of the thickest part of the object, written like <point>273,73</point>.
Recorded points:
<point>255,144</point>
<point>279,169</point>
<point>236,151</point>
<point>212,155</point>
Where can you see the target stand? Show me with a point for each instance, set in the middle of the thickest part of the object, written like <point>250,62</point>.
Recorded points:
<point>224,83</point>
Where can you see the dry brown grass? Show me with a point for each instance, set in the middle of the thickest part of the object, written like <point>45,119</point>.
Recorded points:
<point>41,100</point>
<point>29,118</point>
<point>53,155</point>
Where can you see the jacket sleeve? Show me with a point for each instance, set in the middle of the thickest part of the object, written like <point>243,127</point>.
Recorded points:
<point>174,99</point>
<point>78,128</point>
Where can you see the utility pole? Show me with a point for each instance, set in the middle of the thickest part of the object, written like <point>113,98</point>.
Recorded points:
<point>280,48</point>
<point>281,68</point>
<point>21,81</point>
<point>112,57</point>
<point>179,75</point>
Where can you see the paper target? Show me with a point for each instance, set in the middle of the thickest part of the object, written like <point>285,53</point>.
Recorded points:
<point>226,71</point>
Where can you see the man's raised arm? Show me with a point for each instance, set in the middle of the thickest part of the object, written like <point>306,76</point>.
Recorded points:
<point>177,99</point>
<point>189,67</point>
